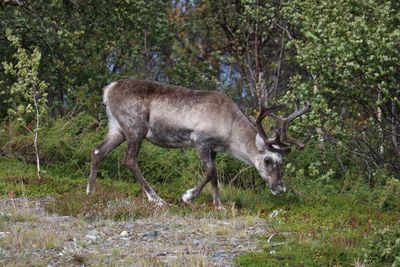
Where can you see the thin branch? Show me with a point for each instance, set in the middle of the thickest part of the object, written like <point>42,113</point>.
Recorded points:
<point>36,131</point>
<point>395,130</point>
<point>289,35</point>
<point>278,71</point>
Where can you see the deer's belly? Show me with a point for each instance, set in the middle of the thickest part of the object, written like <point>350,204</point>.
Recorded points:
<point>180,137</point>
<point>168,137</point>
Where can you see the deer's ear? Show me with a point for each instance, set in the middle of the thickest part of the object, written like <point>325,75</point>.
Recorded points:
<point>260,144</point>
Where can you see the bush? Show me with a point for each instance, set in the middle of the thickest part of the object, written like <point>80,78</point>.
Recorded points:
<point>15,141</point>
<point>59,140</point>
<point>66,145</point>
<point>316,162</point>
<point>390,199</point>
<point>383,248</point>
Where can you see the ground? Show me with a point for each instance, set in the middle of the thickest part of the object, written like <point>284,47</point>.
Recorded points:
<point>31,236</point>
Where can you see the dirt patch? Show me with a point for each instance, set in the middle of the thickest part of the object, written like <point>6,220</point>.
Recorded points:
<point>31,236</point>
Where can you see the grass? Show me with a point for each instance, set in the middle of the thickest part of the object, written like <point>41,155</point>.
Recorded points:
<point>332,232</point>
<point>23,230</point>
<point>44,238</point>
<point>310,226</point>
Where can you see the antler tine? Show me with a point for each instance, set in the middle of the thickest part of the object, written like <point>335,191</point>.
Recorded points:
<point>276,140</point>
<point>299,112</point>
<point>265,111</point>
<point>283,124</point>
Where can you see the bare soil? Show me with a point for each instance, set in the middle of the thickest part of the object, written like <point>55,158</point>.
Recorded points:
<point>29,236</point>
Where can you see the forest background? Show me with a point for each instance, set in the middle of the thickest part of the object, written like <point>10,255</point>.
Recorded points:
<point>341,55</point>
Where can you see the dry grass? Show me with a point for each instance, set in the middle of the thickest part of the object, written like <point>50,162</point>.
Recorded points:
<point>104,204</point>
<point>18,211</point>
<point>35,238</point>
<point>30,236</point>
<point>191,260</point>
<point>182,255</point>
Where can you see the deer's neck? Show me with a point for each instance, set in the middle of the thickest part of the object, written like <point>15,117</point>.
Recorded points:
<point>243,146</point>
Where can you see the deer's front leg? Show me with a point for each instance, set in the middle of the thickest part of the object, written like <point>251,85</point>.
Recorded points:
<point>208,158</point>
<point>131,163</point>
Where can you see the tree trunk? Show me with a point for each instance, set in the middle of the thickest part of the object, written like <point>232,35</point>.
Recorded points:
<point>395,129</point>
<point>36,136</point>
<point>381,137</point>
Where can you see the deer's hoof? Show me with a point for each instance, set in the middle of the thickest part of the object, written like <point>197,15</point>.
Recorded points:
<point>189,194</point>
<point>158,201</point>
<point>89,190</point>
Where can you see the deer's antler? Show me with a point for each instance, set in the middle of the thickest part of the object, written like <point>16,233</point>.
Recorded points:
<point>264,112</point>
<point>281,138</point>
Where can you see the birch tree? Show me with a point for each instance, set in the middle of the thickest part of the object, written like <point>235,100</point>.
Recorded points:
<point>28,93</point>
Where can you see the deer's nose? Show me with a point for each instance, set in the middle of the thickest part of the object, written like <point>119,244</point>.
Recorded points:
<point>278,188</point>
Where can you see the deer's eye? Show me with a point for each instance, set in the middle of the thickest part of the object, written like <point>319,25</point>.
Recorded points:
<point>268,161</point>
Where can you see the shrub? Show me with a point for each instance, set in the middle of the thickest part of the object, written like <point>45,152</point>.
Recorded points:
<point>383,248</point>
<point>390,199</point>
<point>316,162</point>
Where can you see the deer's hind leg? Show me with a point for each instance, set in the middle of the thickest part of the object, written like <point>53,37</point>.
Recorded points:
<point>113,139</point>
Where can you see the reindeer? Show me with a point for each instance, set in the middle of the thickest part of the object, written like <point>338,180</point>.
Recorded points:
<point>175,117</point>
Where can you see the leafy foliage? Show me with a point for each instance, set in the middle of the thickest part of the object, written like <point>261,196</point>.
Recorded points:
<point>383,248</point>
<point>28,90</point>
<point>86,44</point>
<point>390,199</point>
<point>349,56</point>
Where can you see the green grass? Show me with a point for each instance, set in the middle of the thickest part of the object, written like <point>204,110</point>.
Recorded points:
<point>332,232</point>
<point>20,180</point>
<point>315,225</point>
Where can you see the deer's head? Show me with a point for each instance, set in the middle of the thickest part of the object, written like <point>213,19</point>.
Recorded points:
<point>269,159</point>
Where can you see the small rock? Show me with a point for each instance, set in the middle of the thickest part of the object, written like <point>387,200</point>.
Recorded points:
<point>92,235</point>
<point>3,234</point>
<point>274,213</point>
<point>151,234</point>
<point>219,253</point>
<point>124,234</point>
<point>196,242</point>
